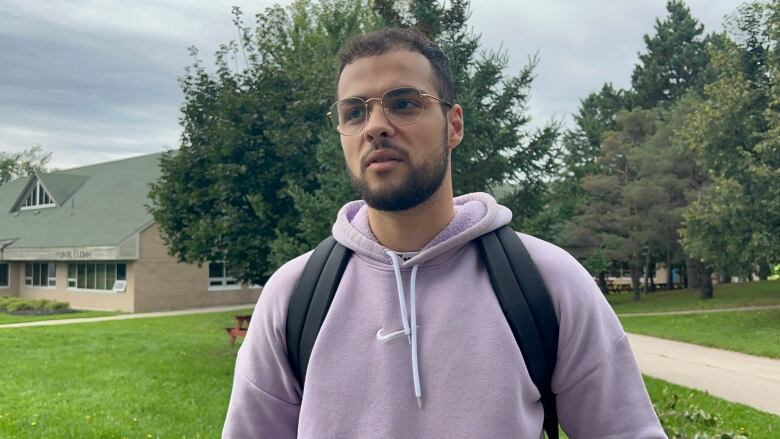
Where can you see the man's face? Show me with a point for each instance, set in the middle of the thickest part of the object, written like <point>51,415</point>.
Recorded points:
<point>398,167</point>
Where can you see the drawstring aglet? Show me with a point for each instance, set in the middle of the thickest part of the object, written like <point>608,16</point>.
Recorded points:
<point>419,402</point>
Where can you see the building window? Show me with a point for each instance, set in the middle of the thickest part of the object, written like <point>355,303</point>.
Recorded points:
<point>96,276</point>
<point>40,274</point>
<point>4,276</point>
<point>219,276</point>
<point>38,197</point>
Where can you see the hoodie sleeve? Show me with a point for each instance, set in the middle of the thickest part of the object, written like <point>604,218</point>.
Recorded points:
<point>266,397</point>
<point>598,386</point>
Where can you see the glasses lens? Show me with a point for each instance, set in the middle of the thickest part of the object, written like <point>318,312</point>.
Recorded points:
<point>348,115</point>
<point>403,105</point>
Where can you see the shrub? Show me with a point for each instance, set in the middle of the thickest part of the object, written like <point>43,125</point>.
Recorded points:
<point>4,301</point>
<point>21,305</point>
<point>57,306</point>
<point>15,304</point>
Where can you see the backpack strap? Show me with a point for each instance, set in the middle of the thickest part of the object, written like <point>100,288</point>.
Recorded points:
<point>311,300</point>
<point>530,314</point>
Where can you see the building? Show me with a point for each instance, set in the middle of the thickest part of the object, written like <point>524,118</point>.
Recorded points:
<point>84,236</point>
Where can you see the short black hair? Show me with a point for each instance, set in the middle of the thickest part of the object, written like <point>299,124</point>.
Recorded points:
<point>395,38</point>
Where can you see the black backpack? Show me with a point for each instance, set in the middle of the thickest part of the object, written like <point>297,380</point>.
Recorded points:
<point>521,293</point>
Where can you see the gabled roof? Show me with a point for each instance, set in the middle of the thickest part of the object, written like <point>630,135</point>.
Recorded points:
<point>100,204</point>
<point>60,187</point>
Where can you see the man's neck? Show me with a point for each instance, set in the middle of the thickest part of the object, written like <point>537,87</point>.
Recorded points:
<point>410,230</point>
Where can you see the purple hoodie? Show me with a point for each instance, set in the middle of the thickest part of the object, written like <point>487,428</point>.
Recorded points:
<point>433,355</point>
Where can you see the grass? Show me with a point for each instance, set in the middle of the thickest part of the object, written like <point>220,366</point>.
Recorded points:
<point>170,377</point>
<point>684,412</point>
<point>166,377</point>
<point>750,332</point>
<point>10,318</point>
<point>726,296</point>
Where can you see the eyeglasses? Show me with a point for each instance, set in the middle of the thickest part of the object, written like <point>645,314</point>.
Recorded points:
<point>403,106</point>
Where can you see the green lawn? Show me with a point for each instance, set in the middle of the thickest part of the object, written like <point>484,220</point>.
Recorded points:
<point>166,377</point>
<point>9,318</point>
<point>683,412</point>
<point>170,377</point>
<point>726,296</point>
<point>751,332</point>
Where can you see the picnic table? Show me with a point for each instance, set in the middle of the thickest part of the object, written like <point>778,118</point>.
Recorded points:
<point>242,323</point>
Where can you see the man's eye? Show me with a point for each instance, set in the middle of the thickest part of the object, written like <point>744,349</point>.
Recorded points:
<point>404,105</point>
<point>351,114</point>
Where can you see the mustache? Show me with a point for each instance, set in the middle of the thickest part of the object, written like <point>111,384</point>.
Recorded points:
<point>384,145</point>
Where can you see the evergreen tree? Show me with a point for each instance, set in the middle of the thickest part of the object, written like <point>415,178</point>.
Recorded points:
<point>675,58</point>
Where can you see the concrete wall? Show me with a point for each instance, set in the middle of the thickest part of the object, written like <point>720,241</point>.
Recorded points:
<point>79,299</point>
<point>163,283</point>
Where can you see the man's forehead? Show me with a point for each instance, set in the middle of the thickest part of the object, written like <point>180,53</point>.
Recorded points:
<point>378,73</point>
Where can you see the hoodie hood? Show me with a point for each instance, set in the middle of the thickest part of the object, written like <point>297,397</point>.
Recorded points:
<point>475,214</point>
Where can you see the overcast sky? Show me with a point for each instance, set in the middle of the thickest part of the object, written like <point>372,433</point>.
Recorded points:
<point>92,81</point>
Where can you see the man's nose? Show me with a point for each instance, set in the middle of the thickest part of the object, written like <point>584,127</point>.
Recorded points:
<point>378,125</point>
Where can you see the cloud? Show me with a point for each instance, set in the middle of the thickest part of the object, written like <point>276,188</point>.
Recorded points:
<point>93,81</point>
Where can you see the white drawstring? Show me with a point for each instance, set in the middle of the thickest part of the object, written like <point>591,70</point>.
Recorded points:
<point>400,288</point>
<point>407,331</point>
<point>415,367</point>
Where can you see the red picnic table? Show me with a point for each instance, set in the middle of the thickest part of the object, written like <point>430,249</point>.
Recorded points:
<point>242,323</point>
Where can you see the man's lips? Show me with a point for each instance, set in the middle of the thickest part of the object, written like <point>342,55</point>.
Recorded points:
<point>383,157</point>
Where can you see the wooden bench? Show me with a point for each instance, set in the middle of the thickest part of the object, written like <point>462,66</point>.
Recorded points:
<point>242,323</point>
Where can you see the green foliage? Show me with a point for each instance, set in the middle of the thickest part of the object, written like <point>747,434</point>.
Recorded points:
<point>15,304</point>
<point>675,58</point>
<point>27,162</point>
<point>733,224</point>
<point>250,133</point>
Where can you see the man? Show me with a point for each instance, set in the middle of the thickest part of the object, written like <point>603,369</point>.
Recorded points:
<point>415,344</point>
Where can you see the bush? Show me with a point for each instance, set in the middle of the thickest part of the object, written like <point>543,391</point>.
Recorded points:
<point>57,306</point>
<point>15,304</point>
<point>21,305</point>
<point>4,301</point>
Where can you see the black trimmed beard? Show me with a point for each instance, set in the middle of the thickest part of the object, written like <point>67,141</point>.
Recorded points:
<point>423,181</point>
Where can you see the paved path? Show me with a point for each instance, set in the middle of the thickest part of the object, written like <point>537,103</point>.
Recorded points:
<point>751,380</point>
<point>700,311</point>
<point>131,316</point>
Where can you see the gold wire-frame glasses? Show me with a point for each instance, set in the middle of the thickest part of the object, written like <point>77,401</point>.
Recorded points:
<point>403,106</point>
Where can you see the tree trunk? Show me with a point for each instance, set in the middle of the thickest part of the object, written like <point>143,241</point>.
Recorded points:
<point>764,270</point>
<point>692,268</point>
<point>725,278</point>
<point>647,270</point>
<point>635,280</point>
<point>603,282</point>
<point>705,287</point>
<point>669,269</point>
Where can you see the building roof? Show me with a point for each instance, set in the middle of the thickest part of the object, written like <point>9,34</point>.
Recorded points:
<point>100,204</point>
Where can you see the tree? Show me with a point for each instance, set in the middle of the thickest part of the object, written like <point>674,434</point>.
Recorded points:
<point>248,133</point>
<point>620,205</point>
<point>675,58</point>
<point>20,164</point>
<point>734,225</point>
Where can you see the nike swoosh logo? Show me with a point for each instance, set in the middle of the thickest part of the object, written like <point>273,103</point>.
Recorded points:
<point>387,337</point>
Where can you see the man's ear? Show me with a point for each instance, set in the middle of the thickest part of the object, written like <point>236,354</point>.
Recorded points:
<point>454,126</point>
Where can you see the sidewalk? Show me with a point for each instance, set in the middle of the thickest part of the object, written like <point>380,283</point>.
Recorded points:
<point>747,379</point>
<point>131,316</point>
